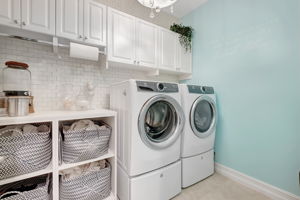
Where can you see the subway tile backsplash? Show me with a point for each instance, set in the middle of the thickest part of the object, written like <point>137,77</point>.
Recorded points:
<point>57,75</point>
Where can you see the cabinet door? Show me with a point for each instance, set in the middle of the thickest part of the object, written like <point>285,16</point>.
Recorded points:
<point>168,51</point>
<point>69,19</point>
<point>39,16</point>
<point>10,13</point>
<point>147,43</point>
<point>94,22</point>
<point>121,41</point>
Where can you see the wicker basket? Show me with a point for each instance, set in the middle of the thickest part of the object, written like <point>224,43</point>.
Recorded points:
<point>40,193</point>
<point>25,153</point>
<point>92,186</point>
<point>85,144</point>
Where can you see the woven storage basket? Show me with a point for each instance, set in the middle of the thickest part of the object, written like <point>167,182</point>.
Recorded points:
<point>40,193</point>
<point>25,153</point>
<point>85,144</point>
<point>92,186</point>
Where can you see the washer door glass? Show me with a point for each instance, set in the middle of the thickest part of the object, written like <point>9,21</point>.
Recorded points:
<point>160,121</point>
<point>203,116</point>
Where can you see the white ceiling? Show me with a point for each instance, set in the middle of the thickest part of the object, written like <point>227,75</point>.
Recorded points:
<point>184,7</point>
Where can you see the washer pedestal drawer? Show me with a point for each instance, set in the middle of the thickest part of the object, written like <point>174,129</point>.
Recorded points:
<point>197,168</point>
<point>160,184</point>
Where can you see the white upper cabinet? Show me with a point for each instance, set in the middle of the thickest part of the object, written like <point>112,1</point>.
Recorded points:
<point>81,20</point>
<point>69,19</point>
<point>10,13</point>
<point>147,43</point>
<point>132,40</point>
<point>142,44</point>
<point>94,23</point>
<point>39,16</point>
<point>121,41</point>
<point>168,42</point>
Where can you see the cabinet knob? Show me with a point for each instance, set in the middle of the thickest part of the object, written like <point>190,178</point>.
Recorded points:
<point>24,23</point>
<point>134,61</point>
<point>85,38</point>
<point>138,62</point>
<point>16,21</point>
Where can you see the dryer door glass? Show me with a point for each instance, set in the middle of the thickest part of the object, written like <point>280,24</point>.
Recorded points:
<point>203,116</point>
<point>160,121</point>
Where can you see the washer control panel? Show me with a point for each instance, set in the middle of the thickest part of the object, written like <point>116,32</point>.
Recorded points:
<point>157,87</point>
<point>196,89</point>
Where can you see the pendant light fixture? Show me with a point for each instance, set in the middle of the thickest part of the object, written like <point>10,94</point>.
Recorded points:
<point>157,5</point>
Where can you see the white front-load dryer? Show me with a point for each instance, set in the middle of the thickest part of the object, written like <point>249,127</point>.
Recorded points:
<point>197,150</point>
<point>150,124</point>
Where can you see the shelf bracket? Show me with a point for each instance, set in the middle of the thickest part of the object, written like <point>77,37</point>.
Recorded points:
<point>185,77</point>
<point>55,44</point>
<point>154,72</point>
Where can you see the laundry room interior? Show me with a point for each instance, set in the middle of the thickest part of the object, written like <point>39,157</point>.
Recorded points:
<point>149,100</point>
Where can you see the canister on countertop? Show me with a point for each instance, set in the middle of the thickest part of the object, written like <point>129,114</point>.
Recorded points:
<point>18,106</point>
<point>17,86</point>
<point>16,79</point>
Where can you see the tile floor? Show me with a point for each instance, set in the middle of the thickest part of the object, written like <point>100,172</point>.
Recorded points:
<point>218,187</point>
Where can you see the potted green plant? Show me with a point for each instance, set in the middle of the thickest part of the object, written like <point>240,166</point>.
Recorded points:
<point>186,33</point>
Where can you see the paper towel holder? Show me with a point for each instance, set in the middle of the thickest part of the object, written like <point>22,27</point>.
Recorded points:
<point>56,45</point>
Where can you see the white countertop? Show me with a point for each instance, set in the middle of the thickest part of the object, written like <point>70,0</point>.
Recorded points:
<point>48,116</point>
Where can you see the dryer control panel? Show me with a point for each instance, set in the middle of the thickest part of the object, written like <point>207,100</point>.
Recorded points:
<point>196,89</point>
<point>157,87</point>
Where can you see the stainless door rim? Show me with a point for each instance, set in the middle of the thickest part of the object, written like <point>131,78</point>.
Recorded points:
<point>214,120</point>
<point>176,131</point>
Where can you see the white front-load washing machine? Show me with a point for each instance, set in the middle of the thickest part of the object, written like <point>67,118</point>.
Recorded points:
<point>197,153</point>
<point>150,124</point>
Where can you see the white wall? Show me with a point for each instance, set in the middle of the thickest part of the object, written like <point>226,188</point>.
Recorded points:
<point>52,77</point>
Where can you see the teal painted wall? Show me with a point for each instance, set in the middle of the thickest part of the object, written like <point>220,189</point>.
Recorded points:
<point>249,50</point>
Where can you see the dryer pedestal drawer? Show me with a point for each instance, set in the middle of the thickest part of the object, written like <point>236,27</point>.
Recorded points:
<point>197,168</point>
<point>160,184</point>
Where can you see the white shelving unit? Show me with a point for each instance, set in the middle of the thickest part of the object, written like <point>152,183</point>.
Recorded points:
<point>55,118</point>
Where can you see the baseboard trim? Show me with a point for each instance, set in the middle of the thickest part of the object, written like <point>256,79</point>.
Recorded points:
<point>262,187</point>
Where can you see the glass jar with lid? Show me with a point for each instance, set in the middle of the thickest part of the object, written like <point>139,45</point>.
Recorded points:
<point>16,79</point>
